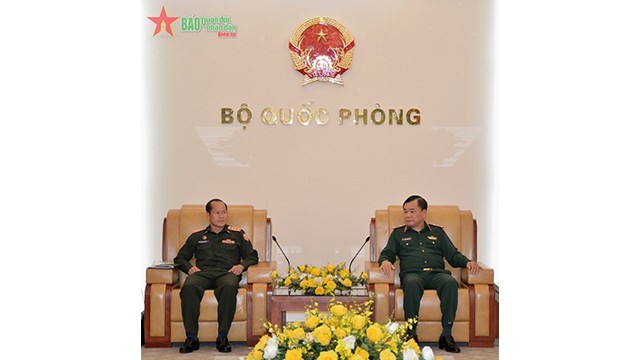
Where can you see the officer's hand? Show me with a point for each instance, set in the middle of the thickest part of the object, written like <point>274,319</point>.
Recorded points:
<point>237,269</point>
<point>194,269</point>
<point>473,267</point>
<point>387,267</point>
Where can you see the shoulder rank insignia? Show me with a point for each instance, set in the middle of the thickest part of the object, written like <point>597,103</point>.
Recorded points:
<point>436,225</point>
<point>234,228</point>
<point>244,235</point>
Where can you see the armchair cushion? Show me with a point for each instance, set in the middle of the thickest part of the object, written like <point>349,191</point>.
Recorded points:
<point>209,317</point>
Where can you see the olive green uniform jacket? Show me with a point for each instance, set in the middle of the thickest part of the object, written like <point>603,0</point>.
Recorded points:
<point>420,251</point>
<point>220,252</point>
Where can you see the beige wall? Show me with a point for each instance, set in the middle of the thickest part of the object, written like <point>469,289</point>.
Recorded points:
<point>320,184</point>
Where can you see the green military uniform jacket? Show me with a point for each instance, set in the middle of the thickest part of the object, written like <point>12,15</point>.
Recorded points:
<point>421,251</point>
<point>221,251</point>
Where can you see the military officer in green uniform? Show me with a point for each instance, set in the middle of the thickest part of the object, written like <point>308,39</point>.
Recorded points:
<point>222,253</point>
<point>421,248</point>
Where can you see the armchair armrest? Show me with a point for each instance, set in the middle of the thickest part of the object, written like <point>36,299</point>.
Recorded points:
<point>484,276</point>
<point>376,276</point>
<point>162,276</point>
<point>261,272</point>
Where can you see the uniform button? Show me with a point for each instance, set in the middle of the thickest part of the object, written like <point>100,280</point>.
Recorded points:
<point>422,250</point>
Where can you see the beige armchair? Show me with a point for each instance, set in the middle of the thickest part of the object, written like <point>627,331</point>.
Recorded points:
<point>163,316</point>
<point>475,318</point>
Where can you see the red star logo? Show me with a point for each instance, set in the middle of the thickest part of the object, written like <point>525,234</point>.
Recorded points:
<point>163,21</point>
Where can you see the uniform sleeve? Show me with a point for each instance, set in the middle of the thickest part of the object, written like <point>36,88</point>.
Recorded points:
<point>451,253</point>
<point>390,251</point>
<point>185,254</point>
<point>249,254</point>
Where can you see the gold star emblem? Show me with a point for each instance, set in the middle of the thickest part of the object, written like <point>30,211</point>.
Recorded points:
<point>322,36</point>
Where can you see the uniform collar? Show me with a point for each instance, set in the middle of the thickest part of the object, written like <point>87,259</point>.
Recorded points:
<point>225,228</point>
<point>426,227</point>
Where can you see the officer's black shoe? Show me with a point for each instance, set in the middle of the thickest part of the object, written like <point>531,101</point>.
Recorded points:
<point>447,343</point>
<point>222,344</point>
<point>190,345</point>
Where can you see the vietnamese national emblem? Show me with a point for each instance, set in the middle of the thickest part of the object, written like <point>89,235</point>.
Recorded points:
<point>321,50</point>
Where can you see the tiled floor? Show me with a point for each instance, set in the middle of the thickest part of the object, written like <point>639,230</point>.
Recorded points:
<point>240,350</point>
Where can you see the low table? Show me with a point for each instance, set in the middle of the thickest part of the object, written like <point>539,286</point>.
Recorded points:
<point>280,304</point>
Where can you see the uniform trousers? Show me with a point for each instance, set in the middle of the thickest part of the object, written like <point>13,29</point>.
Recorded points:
<point>225,287</point>
<point>414,285</point>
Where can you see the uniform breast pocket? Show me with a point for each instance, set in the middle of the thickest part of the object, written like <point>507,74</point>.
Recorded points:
<point>203,248</point>
<point>408,243</point>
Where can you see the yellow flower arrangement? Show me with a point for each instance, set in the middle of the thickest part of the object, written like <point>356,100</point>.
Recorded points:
<point>329,280</point>
<point>340,333</point>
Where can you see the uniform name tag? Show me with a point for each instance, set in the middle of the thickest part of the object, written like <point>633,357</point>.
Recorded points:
<point>203,241</point>
<point>406,239</point>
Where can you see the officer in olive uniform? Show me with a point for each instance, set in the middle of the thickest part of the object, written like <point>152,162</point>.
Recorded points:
<point>421,248</point>
<point>222,253</point>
